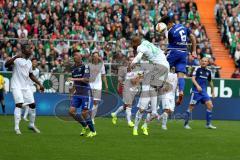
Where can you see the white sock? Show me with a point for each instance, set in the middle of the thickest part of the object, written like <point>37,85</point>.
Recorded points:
<point>164,118</point>
<point>94,111</point>
<point>120,109</point>
<point>26,111</point>
<point>17,117</point>
<point>147,120</point>
<point>128,114</point>
<point>137,119</point>
<point>32,116</point>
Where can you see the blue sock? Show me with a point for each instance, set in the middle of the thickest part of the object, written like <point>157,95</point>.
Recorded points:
<point>89,122</point>
<point>90,125</point>
<point>187,117</point>
<point>79,118</point>
<point>181,84</point>
<point>209,117</point>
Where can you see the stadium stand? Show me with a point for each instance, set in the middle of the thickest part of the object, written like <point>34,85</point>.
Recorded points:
<point>227,14</point>
<point>57,28</point>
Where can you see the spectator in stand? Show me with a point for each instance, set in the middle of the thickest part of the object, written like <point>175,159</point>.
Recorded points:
<point>237,56</point>
<point>86,22</point>
<point>43,67</point>
<point>236,73</point>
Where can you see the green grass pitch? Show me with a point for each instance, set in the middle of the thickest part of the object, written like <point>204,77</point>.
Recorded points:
<point>60,140</point>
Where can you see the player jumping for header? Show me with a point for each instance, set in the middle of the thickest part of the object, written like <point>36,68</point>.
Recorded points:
<point>178,36</point>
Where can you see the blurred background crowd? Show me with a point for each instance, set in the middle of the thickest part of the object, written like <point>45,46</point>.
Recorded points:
<point>56,29</point>
<point>228,19</point>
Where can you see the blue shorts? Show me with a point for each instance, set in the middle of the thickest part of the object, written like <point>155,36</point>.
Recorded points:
<point>82,102</point>
<point>177,59</point>
<point>199,97</point>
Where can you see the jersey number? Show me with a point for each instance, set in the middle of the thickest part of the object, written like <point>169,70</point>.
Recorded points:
<point>183,36</point>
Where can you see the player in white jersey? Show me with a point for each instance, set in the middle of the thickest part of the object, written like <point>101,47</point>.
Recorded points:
<point>36,73</point>
<point>97,74</point>
<point>130,88</point>
<point>158,66</point>
<point>20,87</point>
<point>155,75</point>
<point>168,99</point>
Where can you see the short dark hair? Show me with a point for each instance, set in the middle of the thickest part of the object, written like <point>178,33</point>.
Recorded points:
<point>34,58</point>
<point>166,20</point>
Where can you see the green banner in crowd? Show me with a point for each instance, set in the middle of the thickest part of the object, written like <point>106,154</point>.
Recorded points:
<point>224,88</point>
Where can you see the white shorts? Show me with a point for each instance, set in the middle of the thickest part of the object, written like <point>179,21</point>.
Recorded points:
<point>144,104</point>
<point>24,96</point>
<point>96,94</point>
<point>168,104</point>
<point>33,88</point>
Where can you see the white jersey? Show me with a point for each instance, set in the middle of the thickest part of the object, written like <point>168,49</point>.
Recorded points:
<point>96,72</point>
<point>152,53</point>
<point>36,73</point>
<point>173,80</point>
<point>20,77</point>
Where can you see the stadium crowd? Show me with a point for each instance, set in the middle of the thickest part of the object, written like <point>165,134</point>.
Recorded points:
<point>228,19</point>
<point>56,29</point>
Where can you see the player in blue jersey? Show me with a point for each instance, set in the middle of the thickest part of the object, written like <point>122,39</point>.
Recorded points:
<point>81,97</point>
<point>178,37</point>
<point>201,77</point>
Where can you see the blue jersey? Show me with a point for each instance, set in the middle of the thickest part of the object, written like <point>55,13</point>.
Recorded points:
<point>82,88</point>
<point>203,76</point>
<point>178,37</point>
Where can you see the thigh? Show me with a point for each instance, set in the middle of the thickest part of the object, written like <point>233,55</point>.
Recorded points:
<point>182,61</point>
<point>86,103</point>
<point>205,98</point>
<point>168,104</point>
<point>18,96</point>
<point>154,104</point>
<point>28,96</point>
<point>143,103</point>
<point>195,98</point>
<point>128,97</point>
<point>96,94</point>
<point>172,58</point>
<point>76,101</point>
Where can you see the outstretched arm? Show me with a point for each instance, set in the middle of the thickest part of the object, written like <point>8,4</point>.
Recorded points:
<point>194,44</point>
<point>137,58</point>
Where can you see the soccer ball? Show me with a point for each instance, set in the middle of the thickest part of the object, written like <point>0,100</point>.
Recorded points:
<point>161,27</point>
<point>69,84</point>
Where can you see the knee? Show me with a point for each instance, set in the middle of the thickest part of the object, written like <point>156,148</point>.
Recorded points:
<point>191,107</point>
<point>32,106</point>
<point>71,112</point>
<point>95,102</point>
<point>141,110</point>
<point>181,74</point>
<point>19,105</point>
<point>209,105</point>
<point>168,111</point>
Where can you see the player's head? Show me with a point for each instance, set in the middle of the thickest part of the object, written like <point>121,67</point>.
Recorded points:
<point>26,51</point>
<point>77,57</point>
<point>34,62</point>
<point>95,57</point>
<point>136,41</point>
<point>204,62</point>
<point>168,20</point>
<point>130,59</point>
